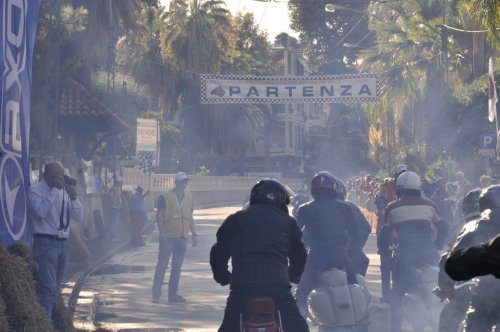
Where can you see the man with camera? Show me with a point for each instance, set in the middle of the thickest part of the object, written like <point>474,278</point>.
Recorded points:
<point>52,204</point>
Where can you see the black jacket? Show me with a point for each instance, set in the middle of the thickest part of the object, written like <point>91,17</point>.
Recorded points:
<point>330,229</point>
<point>468,257</point>
<point>265,247</point>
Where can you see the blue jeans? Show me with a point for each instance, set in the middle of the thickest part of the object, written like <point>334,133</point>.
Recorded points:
<point>51,256</point>
<point>175,247</point>
<point>114,220</point>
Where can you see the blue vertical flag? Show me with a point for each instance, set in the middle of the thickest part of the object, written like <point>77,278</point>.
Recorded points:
<point>19,21</point>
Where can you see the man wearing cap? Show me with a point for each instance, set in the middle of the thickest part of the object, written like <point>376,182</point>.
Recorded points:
<point>137,214</point>
<point>175,221</point>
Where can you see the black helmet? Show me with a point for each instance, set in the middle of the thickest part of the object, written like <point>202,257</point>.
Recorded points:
<point>324,183</point>
<point>490,198</point>
<point>470,203</point>
<point>270,192</point>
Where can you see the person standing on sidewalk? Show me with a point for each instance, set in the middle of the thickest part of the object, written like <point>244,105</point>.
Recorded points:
<point>138,217</point>
<point>115,205</point>
<point>175,221</point>
<point>52,203</point>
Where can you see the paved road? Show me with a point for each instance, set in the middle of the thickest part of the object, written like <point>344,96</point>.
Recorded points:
<point>118,295</point>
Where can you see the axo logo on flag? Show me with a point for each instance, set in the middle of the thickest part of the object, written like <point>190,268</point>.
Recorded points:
<point>14,55</point>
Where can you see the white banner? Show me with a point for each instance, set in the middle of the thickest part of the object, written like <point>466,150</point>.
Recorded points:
<point>147,135</point>
<point>235,89</point>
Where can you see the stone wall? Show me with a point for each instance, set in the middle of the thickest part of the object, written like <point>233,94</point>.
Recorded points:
<point>207,191</point>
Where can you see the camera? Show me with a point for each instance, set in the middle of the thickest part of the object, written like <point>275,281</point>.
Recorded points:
<point>69,181</point>
<point>63,233</point>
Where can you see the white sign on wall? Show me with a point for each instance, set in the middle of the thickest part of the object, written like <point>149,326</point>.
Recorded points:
<point>239,89</point>
<point>147,135</point>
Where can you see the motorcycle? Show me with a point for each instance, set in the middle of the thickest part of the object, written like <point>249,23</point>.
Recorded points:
<point>456,303</point>
<point>261,315</point>
<point>420,305</point>
<point>337,306</point>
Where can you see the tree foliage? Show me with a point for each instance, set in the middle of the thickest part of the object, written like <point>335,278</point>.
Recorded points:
<point>323,34</point>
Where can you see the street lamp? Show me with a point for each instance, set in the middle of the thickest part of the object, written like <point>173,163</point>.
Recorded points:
<point>349,45</point>
<point>330,7</point>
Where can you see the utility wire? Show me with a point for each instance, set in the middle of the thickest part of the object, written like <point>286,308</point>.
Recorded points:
<point>462,30</point>
<point>264,13</point>
<point>350,31</point>
<point>382,72</point>
<point>409,65</point>
<point>366,36</point>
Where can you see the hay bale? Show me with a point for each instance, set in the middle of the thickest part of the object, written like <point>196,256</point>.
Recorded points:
<point>18,291</point>
<point>24,251</point>
<point>62,317</point>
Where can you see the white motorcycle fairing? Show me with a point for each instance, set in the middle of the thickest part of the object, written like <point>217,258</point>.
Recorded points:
<point>335,302</point>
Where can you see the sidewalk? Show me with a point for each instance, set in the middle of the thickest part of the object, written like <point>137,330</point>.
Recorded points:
<point>100,250</point>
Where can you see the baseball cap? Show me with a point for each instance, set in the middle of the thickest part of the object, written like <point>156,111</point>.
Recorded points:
<point>181,176</point>
<point>118,179</point>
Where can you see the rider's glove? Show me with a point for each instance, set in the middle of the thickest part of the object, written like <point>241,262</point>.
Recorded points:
<point>223,278</point>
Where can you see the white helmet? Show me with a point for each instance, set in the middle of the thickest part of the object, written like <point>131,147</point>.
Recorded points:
<point>408,180</point>
<point>400,169</point>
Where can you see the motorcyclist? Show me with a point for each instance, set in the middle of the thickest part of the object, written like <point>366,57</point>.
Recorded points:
<point>476,261</point>
<point>458,300</point>
<point>359,259</point>
<point>388,195</point>
<point>266,252</point>
<point>419,230</point>
<point>328,229</point>
<point>483,309</point>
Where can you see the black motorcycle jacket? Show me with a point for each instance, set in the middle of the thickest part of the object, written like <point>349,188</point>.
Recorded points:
<point>472,234</point>
<point>265,247</point>
<point>446,285</point>
<point>359,259</point>
<point>475,261</point>
<point>330,228</point>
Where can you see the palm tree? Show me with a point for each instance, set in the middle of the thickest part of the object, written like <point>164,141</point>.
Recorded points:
<point>200,37</point>
<point>140,54</point>
<point>408,53</point>
<point>104,20</point>
<point>104,16</point>
<point>196,34</point>
<point>489,13</point>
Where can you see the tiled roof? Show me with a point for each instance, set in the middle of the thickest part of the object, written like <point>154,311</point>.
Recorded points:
<point>78,104</point>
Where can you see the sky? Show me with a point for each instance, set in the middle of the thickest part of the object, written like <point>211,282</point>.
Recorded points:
<point>271,16</point>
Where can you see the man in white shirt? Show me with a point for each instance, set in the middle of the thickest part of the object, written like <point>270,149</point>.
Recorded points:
<point>52,204</point>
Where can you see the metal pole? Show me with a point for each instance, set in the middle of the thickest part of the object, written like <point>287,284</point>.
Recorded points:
<point>444,43</point>
<point>57,72</point>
